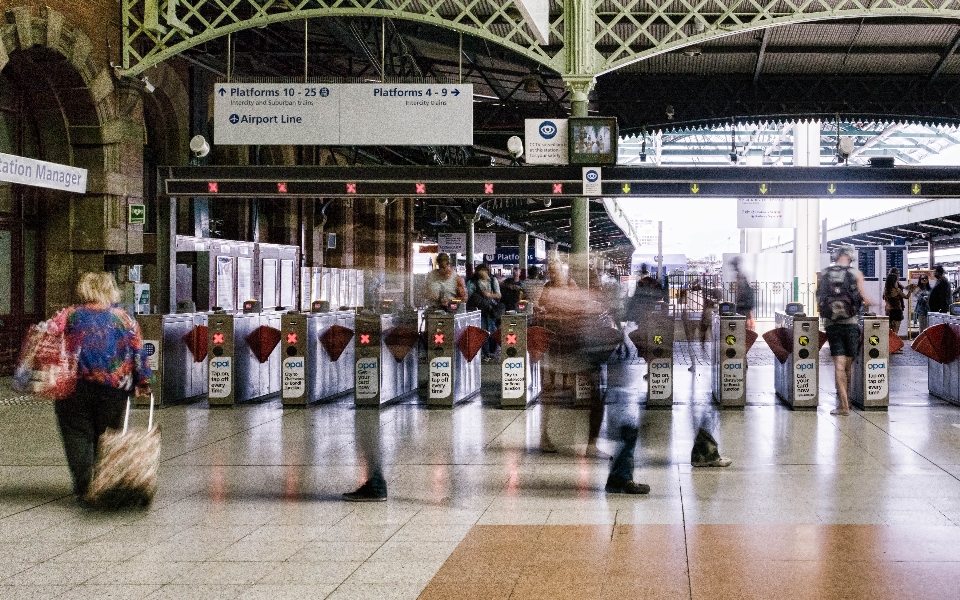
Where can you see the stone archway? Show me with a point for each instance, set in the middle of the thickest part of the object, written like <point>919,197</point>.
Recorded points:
<point>75,102</point>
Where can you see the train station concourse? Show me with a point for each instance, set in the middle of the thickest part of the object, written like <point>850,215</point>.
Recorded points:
<point>359,285</point>
<point>249,503</point>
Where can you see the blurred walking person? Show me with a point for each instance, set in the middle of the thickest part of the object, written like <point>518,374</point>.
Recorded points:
<point>922,308</point>
<point>366,421</point>
<point>840,294</point>
<point>893,300</point>
<point>940,295</point>
<point>111,366</point>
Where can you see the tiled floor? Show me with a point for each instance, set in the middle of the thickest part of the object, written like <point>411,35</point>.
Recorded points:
<point>814,506</point>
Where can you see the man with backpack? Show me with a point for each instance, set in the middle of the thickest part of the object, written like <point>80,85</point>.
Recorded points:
<point>840,294</point>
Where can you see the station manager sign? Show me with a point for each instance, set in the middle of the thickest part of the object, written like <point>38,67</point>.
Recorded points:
<point>38,173</point>
<point>347,114</point>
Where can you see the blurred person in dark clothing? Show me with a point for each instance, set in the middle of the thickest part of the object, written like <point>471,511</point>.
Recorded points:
<point>940,295</point>
<point>367,438</point>
<point>511,290</point>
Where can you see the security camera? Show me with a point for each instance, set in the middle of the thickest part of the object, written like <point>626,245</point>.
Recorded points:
<point>147,85</point>
<point>199,146</point>
<point>845,147</point>
<point>515,147</point>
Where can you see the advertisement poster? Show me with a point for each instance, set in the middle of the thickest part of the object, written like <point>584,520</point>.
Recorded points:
<point>225,283</point>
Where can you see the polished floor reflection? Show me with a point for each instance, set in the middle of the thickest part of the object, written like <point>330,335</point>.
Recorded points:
<point>814,506</point>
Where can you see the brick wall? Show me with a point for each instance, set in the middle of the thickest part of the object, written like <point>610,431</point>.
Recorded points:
<point>99,19</point>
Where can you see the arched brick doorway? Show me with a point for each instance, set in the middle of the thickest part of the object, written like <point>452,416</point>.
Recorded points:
<point>21,231</point>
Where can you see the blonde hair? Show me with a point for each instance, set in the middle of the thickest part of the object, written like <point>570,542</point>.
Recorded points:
<point>98,288</point>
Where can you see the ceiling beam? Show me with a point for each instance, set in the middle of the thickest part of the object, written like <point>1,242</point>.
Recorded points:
<point>876,139</point>
<point>945,58</point>
<point>761,54</point>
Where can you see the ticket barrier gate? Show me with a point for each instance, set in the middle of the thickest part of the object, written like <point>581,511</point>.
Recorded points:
<point>378,375</point>
<point>797,379</point>
<point>728,357</point>
<point>519,378</point>
<point>870,380</point>
<point>244,356</point>
<point>179,366</point>
<point>657,339</point>
<point>451,378</point>
<point>943,378</point>
<point>316,357</point>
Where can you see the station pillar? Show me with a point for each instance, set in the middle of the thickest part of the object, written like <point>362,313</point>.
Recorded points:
<point>806,242</point>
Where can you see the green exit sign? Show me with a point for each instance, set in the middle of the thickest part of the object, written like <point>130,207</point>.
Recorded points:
<point>137,214</point>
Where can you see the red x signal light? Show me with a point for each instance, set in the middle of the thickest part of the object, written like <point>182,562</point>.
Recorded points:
<point>351,188</point>
<point>438,338</point>
<point>281,188</point>
<point>421,188</point>
<point>512,338</point>
<point>365,339</point>
<point>488,188</point>
<point>218,338</point>
<point>292,338</point>
<point>558,188</point>
<point>212,187</point>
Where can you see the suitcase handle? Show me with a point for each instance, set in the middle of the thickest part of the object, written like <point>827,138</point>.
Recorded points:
<point>126,417</point>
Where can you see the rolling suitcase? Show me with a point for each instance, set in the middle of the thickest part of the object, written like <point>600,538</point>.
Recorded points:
<point>127,462</point>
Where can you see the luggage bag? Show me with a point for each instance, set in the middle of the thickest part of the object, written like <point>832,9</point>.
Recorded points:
<point>127,461</point>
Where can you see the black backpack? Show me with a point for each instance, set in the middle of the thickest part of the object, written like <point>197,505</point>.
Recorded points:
<point>838,296</point>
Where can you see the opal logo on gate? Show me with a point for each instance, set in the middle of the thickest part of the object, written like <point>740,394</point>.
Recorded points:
<point>220,364</point>
<point>367,365</point>
<point>293,364</point>
<point>878,365</point>
<point>804,367</point>
<point>736,366</point>
<point>440,364</point>
<point>513,365</point>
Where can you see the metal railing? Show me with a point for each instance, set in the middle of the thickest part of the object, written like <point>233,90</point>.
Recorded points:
<point>693,292</point>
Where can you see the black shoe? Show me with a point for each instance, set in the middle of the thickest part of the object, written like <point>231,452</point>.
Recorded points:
<point>615,485</point>
<point>366,493</point>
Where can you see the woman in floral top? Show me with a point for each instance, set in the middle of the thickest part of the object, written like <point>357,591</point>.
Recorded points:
<point>111,364</point>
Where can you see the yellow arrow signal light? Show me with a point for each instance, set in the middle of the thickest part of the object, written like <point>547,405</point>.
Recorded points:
<point>832,189</point>
<point>915,189</point>
<point>763,188</point>
<point>626,188</point>
<point>695,188</point>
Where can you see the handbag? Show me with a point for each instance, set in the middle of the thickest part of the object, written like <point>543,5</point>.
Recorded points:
<point>46,366</point>
<point>127,462</point>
